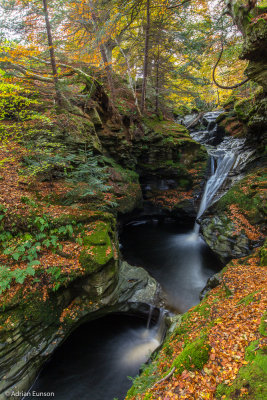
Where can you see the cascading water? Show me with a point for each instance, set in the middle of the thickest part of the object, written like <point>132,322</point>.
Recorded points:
<point>169,251</point>
<point>228,156</point>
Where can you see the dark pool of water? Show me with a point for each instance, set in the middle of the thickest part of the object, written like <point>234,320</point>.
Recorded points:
<point>179,259</point>
<point>97,359</point>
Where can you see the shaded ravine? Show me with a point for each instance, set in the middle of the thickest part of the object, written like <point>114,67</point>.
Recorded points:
<point>97,360</point>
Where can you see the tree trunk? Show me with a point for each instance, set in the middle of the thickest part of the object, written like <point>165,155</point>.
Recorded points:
<point>145,68</point>
<point>103,51</point>
<point>130,78</point>
<point>157,82</point>
<point>110,46</point>
<point>108,70</point>
<point>52,53</point>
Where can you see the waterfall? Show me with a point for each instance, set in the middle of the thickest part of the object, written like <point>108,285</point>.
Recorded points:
<point>228,156</point>
<point>217,178</point>
<point>149,316</point>
<point>159,329</point>
<point>161,325</point>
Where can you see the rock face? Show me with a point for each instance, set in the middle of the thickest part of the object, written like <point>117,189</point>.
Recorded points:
<point>26,345</point>
<point>235,224</point>
<point>248,117</point>
<point>219,234</point>
<point>254,50</point>
<point>80,279</point>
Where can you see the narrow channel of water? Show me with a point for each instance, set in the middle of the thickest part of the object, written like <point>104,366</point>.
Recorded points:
<point>176,257</point>
<point>97,359</point>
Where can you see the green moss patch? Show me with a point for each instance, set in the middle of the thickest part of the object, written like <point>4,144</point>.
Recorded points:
<point>143,382</point>
<point>248,195</point>
<point>263,325</point>
<point>243,108</point>
<point>98,249</point>
<point>194,356</point>
<point>248,299</point>
<point>250,383</point>
<point>167,128</point>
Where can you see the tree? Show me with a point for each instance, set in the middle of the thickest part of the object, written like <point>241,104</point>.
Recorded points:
<point>52,53</point>
<point>146,56</point>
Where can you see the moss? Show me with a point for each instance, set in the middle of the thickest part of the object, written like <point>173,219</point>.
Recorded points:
<point>98,249</point>
<point>263,325</point>
<point>251,379</point>
<point>194,356</point>
<point>31,310</point>
<point>166,128</point>
<point>229,103</point>
<point>263,255</point>
<point>83,217</point>
<point>243,108</point>
<point>127,175</point>
<point>248,299</point>
<point>144,381</point>
<point>184,328</point>
<point>38,310</point>
<point>185,183</point>
<point>247,195</point>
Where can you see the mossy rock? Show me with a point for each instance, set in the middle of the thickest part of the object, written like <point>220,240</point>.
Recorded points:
<point>243,108</point>
<point>95,118</point>
<point>98,247</point>
<point>229,103</point>
<point>255,41</point>
<point>83,217</point>
<point>248,195</point>
<point>257,71</point>
<point>194,356</point>
<point>167,128</point>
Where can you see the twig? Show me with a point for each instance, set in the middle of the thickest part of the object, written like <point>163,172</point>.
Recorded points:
<point>165,377</point>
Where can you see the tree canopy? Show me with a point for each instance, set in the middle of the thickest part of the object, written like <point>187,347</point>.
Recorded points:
<point>163,50</point>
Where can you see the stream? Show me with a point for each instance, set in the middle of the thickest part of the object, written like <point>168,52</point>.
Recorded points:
<point>176,257</point>
<point>96,360</point>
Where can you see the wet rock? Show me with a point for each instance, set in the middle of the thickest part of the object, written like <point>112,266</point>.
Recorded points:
<point>219,233</point>
<point>212,283</point>
<point>137,287</point>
